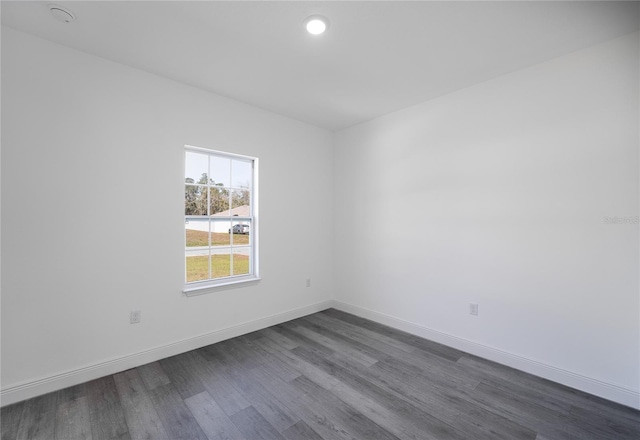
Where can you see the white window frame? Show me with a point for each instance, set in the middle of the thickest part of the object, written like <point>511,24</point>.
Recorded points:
<point>200,287</point>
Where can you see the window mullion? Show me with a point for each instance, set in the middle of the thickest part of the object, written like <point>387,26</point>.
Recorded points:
<point>209,214</point>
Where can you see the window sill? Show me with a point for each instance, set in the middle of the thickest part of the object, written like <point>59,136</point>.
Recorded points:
<point>200,289</point>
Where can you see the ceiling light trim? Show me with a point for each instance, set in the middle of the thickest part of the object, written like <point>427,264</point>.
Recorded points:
<point>61,13</point>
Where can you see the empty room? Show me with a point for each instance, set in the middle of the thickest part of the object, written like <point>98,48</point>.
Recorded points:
<point>313,220</point>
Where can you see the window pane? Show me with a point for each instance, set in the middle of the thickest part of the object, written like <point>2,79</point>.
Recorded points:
<point>197,267</point>
<point>220,232</point>
<point>195,200</point>
<point>241,232</point>
<point>196,232</point>
<point>195,167</point>
<point>241,260</point>
<point>220,171</point>
<point>240,201</point>
<point>220,263</point>
<point>219,201</point>
<point>241,174</point>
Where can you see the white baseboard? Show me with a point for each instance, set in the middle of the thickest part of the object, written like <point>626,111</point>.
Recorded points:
<point>33,388</point>
<point>589,385</point>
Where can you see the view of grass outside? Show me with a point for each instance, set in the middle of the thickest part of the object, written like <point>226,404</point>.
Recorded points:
<point>198,267</point>
<point>200,238</point>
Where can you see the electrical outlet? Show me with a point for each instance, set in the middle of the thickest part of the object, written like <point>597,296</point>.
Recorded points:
<point>135,316</point>
<point>308,282</point>
<point>473,309</point>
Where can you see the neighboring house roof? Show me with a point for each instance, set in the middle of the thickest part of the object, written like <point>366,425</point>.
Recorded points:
<point>240,211</point>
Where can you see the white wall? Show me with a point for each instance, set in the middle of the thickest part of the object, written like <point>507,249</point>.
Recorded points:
<point>85,138</point>
<point>498,193</point>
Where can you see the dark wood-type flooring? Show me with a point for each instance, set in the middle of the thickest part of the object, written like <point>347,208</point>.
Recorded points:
<point>330,375</point>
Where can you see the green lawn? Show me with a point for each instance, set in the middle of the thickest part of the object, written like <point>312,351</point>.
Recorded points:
<point>198,267</point>
<point>201,238</point>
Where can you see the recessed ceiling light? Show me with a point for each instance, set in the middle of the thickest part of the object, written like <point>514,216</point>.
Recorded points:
<point>316,24</point>
<point>61,13</point>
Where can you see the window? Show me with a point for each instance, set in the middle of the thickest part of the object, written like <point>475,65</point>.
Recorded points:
<point>220,205</point>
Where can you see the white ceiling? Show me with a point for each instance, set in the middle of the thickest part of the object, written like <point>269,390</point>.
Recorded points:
<point>377,57</point>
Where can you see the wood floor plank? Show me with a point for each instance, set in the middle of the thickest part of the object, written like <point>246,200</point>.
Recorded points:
<point>357,423</point>
<point>38,418</point>
<point>212,419</point>
<point>282,369</point>
<point>281,339</point>
<point>511,375</point>
<point>301,340</point>
<point>71,393</point>
<point>183,378</point>
<point>317,417</point>
<point>595,425</point>
<point>251,423</point>
<point>503,376</point>
<point>153,375</point>
<point>303,367</point>
<point>107,417</point>
<point>419,361</point>
<point>253,335</point>
<point>410,388</point>
<point>245,357</point>
<point>531,414</point>
<point>301,431</point>
<point>359,333</point>
<point>407,338</point>
<point>420,421</point>
<point>73,420</point>
<point>341,330</point>
<point>217,384</point>
<point>244,349</point>
<point>10,417</point>
<point>583,407</point>
<point>399,424</point>
<point>141,416</point>
<point>597,404</point>
<point>607,422</point>
<point>447,402</point>
<point>266,403</point>
<point>423,401</point>
<point>176,418</point>
<point>337,346</point>
<point>433,374</point>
